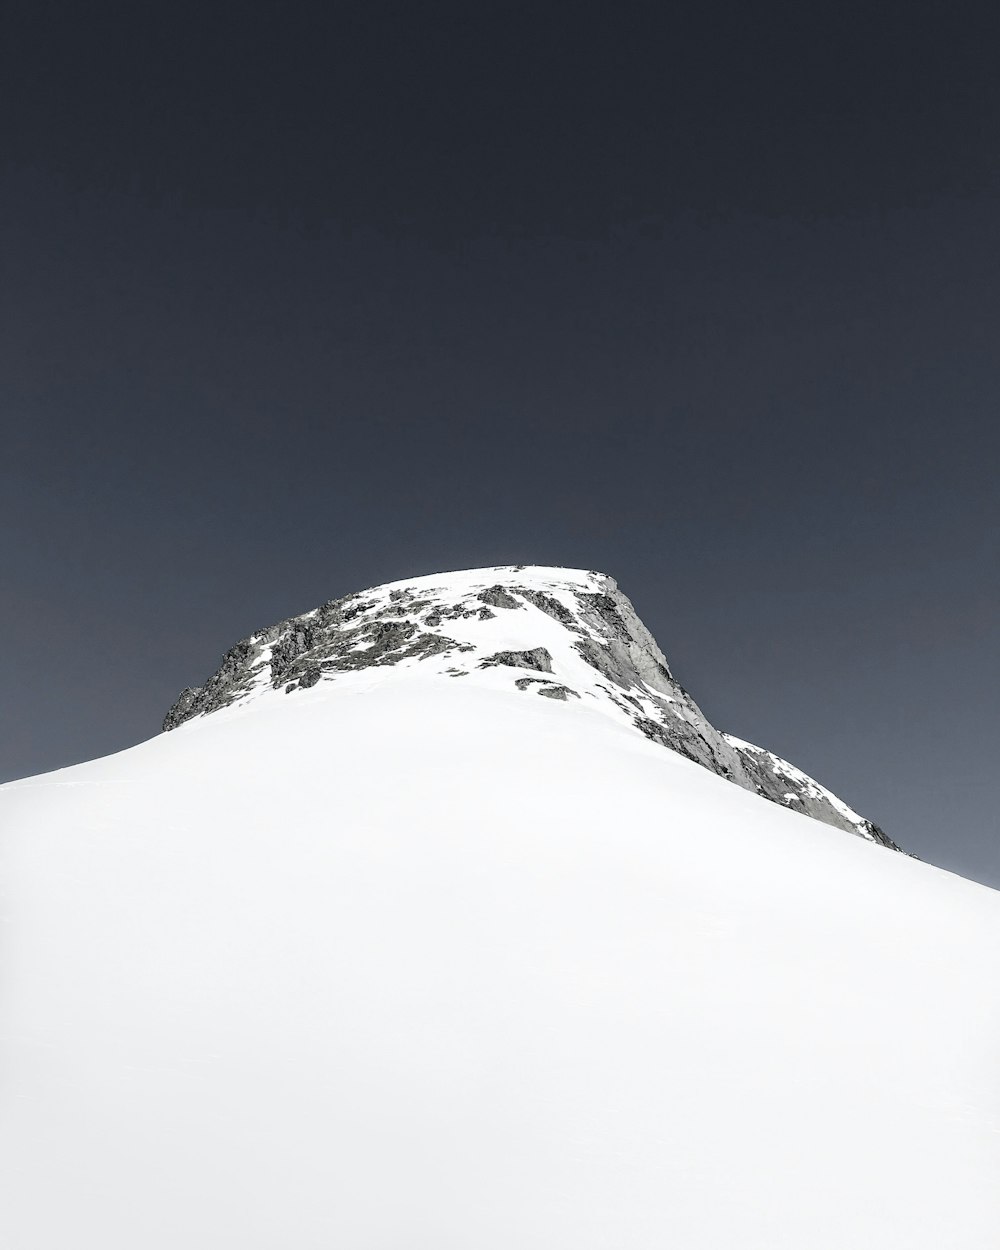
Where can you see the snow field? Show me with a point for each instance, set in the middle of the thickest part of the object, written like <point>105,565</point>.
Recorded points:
<point>406,963</point>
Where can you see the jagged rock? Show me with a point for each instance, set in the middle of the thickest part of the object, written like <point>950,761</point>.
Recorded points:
<point>497,597</point>
<point>184,707</point>
<point>601,658</point>
<point>783,783</point>
<point>355,610</point>
<point>549,605</point>
<point>606,608</point>
<point>537,658</point>
<point>285,652</point>
<point>390,642</point>
<point>557,692</point>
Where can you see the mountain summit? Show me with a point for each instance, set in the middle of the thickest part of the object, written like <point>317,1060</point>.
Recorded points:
<point>443,918</point>
<point>554,633</point>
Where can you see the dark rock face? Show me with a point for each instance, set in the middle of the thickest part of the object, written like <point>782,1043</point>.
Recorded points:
<point>497,597</point>
<point>537,658</point>
<point>782,783</point>
<point>681,737</point>
<point>549,605</point>
<point>183,708</point>
<point>627,656</point>
<point>234,677</point>
<point>286,651</point>
<point>597,645</point>
<point>525,683</point>
<point>550,689</point>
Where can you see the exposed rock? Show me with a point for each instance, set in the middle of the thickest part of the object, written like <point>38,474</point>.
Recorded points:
<point>355,609</point>
<point>549,605</point>
<point>684,738</point>
<point>389,642</point>
<point>879,835</point>
<point>606,664</point>
<point>234,677</point>
<point>557,692</point>
<point>537,658</point>
<point>286,651</point>
<point>783,783</point>
<point>607,610</point>
<point>497,597</point>
<point>184,706</point>
<point>629,642</point>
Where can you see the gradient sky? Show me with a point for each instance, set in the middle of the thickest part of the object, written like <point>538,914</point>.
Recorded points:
<point>297,299</point>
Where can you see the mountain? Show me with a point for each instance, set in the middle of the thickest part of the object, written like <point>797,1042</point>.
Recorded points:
<point>406,958</point>
<point>561,634</point>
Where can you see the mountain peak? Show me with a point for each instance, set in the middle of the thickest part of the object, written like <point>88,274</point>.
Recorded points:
<point>566,635</point>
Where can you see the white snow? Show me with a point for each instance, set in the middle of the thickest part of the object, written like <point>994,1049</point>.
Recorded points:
<point>399,963</point>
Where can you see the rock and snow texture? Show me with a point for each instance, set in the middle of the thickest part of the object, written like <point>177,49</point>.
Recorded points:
<point>559,633</point>
<point>421,964</point>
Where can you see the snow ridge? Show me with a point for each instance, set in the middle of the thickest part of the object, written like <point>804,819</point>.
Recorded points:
<point>561,634</point>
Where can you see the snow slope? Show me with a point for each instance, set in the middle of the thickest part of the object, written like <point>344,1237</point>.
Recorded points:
<point>397,963</point>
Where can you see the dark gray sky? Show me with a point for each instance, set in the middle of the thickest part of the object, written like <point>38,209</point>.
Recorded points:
<point>297,299</point>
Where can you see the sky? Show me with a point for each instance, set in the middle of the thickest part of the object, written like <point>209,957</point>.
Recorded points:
<point>297,299</point>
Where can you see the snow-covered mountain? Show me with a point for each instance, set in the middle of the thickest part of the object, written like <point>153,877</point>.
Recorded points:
<point>558,633</point>
<point>415,956</point>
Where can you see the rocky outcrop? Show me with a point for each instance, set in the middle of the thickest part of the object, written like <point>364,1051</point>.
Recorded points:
<point>497,597</point>
<point>576,627</point>
<point>537,658</point>
<point>783,783</point>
